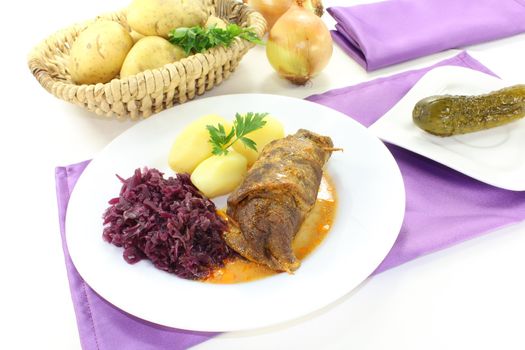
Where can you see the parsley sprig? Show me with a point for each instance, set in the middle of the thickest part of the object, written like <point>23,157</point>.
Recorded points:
<point>198,39</point>
<point>242,126</point>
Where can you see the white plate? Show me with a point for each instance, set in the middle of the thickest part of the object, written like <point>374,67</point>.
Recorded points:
<point>495,156</point>
<point>370,212</point>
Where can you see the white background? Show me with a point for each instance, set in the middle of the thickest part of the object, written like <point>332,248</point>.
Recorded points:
<point>471,296</point>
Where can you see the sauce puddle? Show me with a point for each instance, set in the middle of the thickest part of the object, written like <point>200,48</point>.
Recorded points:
<point>312,232</point>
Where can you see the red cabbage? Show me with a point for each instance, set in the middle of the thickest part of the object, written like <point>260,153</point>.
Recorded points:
<point>167,221</point>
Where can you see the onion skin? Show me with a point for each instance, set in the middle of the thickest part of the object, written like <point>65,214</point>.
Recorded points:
<point>316,6</point>
<point>299,45</point>
<point>272,10</point>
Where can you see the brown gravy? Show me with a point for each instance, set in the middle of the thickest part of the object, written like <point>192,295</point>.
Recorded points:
<point>312,232</point>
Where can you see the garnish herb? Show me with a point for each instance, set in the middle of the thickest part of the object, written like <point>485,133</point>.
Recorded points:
<point>242,126</point>
<point>198,39</point>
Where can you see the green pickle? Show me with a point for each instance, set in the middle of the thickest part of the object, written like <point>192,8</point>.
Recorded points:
<point>448,115</point>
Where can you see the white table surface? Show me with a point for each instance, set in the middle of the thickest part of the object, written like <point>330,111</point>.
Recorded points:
<point>470,296</point>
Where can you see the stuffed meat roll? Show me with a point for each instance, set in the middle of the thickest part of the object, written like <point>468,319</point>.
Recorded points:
<point>279,190</point>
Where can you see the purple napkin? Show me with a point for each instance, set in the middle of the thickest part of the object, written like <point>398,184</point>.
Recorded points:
<point>380,34</point>
<point>443,207</point>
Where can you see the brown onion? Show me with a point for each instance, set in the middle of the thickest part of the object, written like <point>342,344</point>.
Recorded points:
<point>299,45</point>
<point>271,10</point>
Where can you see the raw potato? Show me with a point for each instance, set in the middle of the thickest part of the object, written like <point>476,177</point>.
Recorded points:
<point>191,146</point>
<point>272,130</point>
<point>136,36</point>
<point>150,52</point>
<point>216,21</point>
<point>219,175</point>
<point>97,54</point>
<point>159,17</point>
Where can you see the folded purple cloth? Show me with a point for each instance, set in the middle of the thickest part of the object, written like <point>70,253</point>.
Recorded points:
<point>380,34</point>
<point>443,207</point>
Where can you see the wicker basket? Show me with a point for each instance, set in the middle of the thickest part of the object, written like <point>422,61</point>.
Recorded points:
<point>151,91</point>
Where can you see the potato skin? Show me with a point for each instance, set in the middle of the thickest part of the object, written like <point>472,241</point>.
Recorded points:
<point>159,17</point>
<point>214,21</point>
<point>97,54</point>
<point>136,36</point>
<point>150,52</point>
<point>191,146</point>
<point>219,175</point>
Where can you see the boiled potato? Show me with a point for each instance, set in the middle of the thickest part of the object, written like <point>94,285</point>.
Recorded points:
<point>191,146</point>
<point>272,130</point>
<point>148,53</point>
<point>215,21</point>
<point>97,54</point>
<point>220,175</point>
<point>159,17</point>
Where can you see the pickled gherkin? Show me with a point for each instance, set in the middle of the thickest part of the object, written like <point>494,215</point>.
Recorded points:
<point>448,115</point>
